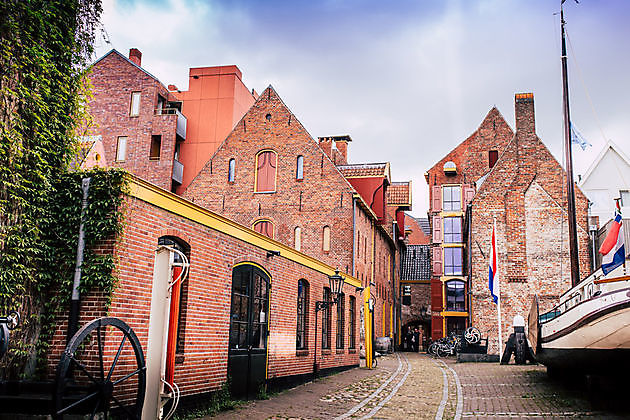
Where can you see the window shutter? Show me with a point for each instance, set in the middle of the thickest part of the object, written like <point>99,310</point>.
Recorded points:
<point>469,193</point>
<point>436,198</point>
<point>437,229</point>
<point>437,261</point>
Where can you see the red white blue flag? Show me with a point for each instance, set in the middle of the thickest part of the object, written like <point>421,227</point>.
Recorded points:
<point>493,280</point>
<point>613,249</point>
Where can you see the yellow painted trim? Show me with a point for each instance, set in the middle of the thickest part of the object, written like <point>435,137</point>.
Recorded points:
<point>264,270</point>
<point>275,179</point>
<point>391,320</point>
<point>383,316</point>
<point>452,245</point>
<point>172,203</point>
<point>443,326</point>
<point>445,279</point>
<point>399,204</point>
<point>451,214</point>
<point>367,319</point>
<point>453,313</point>
<point>265,220</point>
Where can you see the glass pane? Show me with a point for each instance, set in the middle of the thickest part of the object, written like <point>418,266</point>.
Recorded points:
<point>121,151</point>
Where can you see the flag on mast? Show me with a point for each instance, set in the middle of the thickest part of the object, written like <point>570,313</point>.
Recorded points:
<point>493,281</point>
<point>613,248</point>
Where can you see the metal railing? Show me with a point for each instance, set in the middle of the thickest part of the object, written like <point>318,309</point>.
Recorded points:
<point>178,171</point>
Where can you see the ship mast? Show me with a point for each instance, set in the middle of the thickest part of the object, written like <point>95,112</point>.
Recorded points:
<point>573,245</point>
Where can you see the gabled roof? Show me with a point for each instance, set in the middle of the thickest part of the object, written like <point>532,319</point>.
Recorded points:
<point>357,170</point>
<point>399,194</point>
<point>609,145</point>
<point>113,50</point>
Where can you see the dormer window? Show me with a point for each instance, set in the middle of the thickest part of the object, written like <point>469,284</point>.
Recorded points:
<point>450,168</point>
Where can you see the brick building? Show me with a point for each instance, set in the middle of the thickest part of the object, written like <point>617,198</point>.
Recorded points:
<point>511,178</point>
<point>160,133</point>
<point>271,175</point>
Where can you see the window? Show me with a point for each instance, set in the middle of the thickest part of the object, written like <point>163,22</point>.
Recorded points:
<point>341,309</point>
<point>134,107</point>
<point>326,321</point>
<point>299,168</point>
<point>406,294</point>
<point>493,156</point>
<point>453,261</point>
<point>452,198</point>
<point>121,149</point>
<point>156,145</point>
<point>326,238</point>
<point>264,227</point>
<point>351,322</point>
<point>231,170</point>
<point>456,296</point>
<point>625,198</point>
<point>302,315</point>
<point>266,171</point>
<point>298,238</point>
<point>452,229</point>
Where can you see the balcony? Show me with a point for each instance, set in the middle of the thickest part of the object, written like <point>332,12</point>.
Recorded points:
<point>178,171</point>
<point>181,120</point>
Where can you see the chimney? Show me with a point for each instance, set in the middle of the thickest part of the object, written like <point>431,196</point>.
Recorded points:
<point>342,146</point>
<point>172,88</point>
<point>524,110</point>
<point>135,56</point>
<point>326,144</point>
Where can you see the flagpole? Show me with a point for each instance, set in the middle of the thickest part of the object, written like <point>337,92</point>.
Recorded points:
<point>498,283</point>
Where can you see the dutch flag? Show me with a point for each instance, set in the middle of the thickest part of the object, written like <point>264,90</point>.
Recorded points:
<point>493,281</point>
<point>613,249</point>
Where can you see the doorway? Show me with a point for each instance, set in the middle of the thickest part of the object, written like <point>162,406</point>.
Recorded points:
<point>249,316</point>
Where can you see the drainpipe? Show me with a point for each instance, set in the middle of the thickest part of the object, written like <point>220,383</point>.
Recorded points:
<point>75,303</point>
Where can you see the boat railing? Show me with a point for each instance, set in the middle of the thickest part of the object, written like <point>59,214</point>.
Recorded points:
<point>585,290</point>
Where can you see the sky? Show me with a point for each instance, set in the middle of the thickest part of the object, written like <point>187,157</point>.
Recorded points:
<point>407,80</point>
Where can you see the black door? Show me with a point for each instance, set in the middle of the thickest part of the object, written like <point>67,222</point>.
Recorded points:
<point>249,315</point>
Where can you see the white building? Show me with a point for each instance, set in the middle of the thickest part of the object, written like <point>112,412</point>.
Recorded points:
<point>608,178</point>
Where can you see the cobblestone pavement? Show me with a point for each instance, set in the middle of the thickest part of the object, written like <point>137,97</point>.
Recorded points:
<point>416,386</point>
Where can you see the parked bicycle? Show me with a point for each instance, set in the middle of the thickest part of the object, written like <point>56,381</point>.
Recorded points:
<point>452,344</point>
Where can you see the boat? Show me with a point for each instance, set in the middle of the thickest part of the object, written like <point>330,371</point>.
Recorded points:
<point>589,330</point>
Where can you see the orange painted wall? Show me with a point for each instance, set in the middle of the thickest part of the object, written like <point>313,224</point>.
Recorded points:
<point>215,101</point>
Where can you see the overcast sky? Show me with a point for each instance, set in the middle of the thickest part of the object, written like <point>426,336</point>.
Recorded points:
<point>407,80</point>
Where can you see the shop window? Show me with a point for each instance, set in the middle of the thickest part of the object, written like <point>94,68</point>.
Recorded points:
<point>452,229</point>
<point>456,296</point>
<point>299,168</point>
<point>326,238</point>
<point>453,261</point>
<point>121,149</point>
<point>266,162</point>
<point>493,156</point>
<point>156,145</point>
<point>297,233</point>
<point>340,320</point>
<point>231,170</point>
<point>302,315</point>
<point>352,302</point>
<point>326,320</point>
<point>452,198</point>
<point>264,227</point>
<point>134,106</point>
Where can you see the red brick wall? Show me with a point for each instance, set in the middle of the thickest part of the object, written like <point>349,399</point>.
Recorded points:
<point>114,79</point>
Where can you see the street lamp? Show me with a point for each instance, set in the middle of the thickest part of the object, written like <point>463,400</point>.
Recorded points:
<point>335,282</point>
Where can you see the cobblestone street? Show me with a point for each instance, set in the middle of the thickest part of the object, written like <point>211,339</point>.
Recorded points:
<point>416,386</point>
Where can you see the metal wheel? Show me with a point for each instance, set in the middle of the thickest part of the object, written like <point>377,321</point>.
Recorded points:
<point>472,335</point>
<point>442,350</point>
<point>433,348</point>
<point>101,372</point>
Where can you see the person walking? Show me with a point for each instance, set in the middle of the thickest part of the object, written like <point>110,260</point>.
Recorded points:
<point>416,339</point>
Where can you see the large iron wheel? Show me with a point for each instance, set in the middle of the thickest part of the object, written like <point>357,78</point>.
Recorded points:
<point>101,372</point>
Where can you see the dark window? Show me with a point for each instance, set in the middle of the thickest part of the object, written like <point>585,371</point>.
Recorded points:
<point>299,168</point>
<point>231,170</point>
<point>156,145</point>
<point>340,320</point>
<point>456,296</point>
<point>493,156</point>
<point>302,315</point>
<point>326,320</point>
<point>352,322</point>
<point>264,227</point>
<point>452,229</point>
<point>453,261</point>
<point>452,198</point>
<point>406,295</point>
<point>266,171</point>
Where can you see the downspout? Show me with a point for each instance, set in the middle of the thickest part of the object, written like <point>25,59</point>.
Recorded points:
<point>469,260</point>
<point>392,270</point>
<point>75,303</point>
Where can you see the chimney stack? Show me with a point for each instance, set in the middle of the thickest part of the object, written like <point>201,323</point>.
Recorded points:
<point>326,144</point>
<point>135,56</point>
<point>524,110</point>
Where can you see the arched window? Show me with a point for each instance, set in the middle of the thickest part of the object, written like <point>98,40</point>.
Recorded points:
<point>266,171</point>
<point>351,322</point>
<point>231,170</point>
<point>326,238</point>
<point>302,315</point>
<point>298,238</point>
<point>299,168</point>
<point>264,227</point>
<point>456,296</point>
<point>341,308</point>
